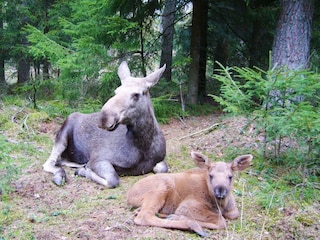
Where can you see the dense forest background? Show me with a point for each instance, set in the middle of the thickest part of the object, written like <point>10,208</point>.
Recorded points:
<point>69,50</point>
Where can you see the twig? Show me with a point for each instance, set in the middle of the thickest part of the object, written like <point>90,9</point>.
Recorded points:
<point>119,225</point>
<point>265,219</point>
<point>24,124</point>
<point>242,206</point>
<point>201,131</point>
<point>13,118</point>
<point>184,124</point>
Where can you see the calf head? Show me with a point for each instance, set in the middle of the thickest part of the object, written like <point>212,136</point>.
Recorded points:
<point>220,174</point>
<point>131,98</point>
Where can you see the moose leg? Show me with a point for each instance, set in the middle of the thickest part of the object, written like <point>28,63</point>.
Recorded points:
<point>161,167</point>
<point>101,172</point>
<point>59,175</point>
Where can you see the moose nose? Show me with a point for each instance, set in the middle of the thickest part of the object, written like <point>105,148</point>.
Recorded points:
<point>220,192</point>
<point>108,122</point>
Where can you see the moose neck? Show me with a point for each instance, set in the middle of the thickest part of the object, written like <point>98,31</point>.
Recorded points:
<point>144,129</point>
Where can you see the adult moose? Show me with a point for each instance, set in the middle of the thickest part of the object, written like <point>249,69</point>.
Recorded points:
<point>196,198</point>
<point>123,139</point>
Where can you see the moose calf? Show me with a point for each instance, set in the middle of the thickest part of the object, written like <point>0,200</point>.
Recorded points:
<point>196,198</point>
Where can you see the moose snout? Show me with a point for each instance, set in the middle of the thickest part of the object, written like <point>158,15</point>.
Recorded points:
<point>220,192</point>
<point>108,122</point>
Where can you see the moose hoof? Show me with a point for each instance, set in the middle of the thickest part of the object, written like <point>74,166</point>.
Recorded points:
<point>59,177</point>
<point>81,172</point>
<point>161,167</point>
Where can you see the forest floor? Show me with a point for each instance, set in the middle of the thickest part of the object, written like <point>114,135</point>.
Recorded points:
<point>82,209</point>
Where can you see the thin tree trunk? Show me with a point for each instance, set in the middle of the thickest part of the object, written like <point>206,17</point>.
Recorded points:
<point>23,60</point>
<point>23,70</point>
<point>291,47</point>
<point>3,84</point>
<point>167,38</point>
<point>203,52</point>
<point>197,24</point>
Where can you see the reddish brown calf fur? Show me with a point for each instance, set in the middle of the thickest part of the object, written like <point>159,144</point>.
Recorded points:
<point>200,197</point>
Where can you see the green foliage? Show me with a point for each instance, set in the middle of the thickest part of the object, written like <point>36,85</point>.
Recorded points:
<point>7,168</point>
<point>83,37</point>
<point>165,109</point>
<point>284,105</point>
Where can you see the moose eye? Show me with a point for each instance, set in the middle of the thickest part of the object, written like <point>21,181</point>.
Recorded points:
<point>230,178</point>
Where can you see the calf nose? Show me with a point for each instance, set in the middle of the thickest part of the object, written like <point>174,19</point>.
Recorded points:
<point>220,192</point>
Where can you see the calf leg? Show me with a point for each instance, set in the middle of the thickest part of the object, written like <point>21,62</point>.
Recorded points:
<point>152,203</point>
<point>193,210</point>
<point>101,172</point>
<point>231,211</point>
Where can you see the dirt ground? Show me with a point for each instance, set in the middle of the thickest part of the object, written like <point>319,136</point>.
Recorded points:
<point>81,209</point>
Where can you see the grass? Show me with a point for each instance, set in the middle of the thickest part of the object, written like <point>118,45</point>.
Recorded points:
<point>276,201</point>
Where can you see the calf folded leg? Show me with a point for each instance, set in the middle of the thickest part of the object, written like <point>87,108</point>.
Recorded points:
<point>151,205</point>
<point>194,210</point>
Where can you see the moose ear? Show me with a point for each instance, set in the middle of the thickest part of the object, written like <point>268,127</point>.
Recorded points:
<point>124,71</point>
<point>154,77</point>
<point>242,162</point>
<point>200,160</point>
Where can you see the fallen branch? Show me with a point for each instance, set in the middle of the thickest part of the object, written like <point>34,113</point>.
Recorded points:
<point>201,131</point>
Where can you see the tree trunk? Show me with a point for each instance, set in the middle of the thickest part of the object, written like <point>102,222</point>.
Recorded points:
<point>45,69</point>
<point>198,23</point>
<point>203,52</point>
<point>23,60</point>
<point>167,38</point>
<point>291,47</point>
<point>2,54</point>
<point>23,70</point>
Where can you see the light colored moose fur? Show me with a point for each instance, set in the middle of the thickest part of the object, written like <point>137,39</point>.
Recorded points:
<point>123,139</point>
<point>196,198</point>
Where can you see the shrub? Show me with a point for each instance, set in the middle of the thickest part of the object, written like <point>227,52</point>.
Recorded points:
<point>284,106</point>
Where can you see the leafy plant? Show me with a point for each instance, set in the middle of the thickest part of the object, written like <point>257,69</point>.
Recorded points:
<point>283,104</point>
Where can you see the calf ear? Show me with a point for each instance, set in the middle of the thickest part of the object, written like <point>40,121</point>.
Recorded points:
<point>199,159</point>
<point>242,162</point>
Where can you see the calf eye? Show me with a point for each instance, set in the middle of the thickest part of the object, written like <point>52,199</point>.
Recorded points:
<point>211,177</point>
<point>230,178</point>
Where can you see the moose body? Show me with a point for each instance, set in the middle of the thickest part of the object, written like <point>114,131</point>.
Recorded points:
<point>123,139</point>
<point>190,200</point>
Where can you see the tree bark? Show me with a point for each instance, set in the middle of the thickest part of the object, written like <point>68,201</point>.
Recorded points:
<point>291,47</point>
<point>23,70</point>
<point>167,38</point>
<point>199,22</point>
<point>203,52</point>
<point>3,83</point>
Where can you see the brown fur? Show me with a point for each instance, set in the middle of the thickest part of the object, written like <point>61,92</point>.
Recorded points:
<point>190,200</point>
